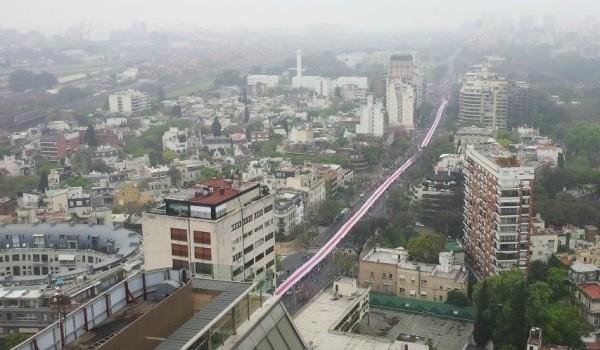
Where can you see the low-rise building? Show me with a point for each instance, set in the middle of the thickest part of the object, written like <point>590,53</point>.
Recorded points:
<point>389,271</point>
<point>288,210</point>
<point>544,244</point>
<point>17,167</point>
<point>176,140</point>
<point>305,179</point>
<point>587,297</point>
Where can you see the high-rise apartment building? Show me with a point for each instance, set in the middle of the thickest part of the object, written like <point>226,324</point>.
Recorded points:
<point>402,67</point>
<point>520,103</point>
<point>400,104</point>
<point>497,210</point>
<point>128,102</point>
<point>219,228</point>
<point>483,98</point>
<point>371,118</point>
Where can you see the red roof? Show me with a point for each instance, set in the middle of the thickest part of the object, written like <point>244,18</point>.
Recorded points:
<point>222,190</point>
<point>591,289</point>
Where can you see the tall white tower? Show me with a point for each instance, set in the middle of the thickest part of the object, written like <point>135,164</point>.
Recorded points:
<point>299,63</point>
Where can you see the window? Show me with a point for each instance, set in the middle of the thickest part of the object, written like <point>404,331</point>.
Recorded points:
<point>178,234</point>
<point>179,250</point>
<point>270,263</point>
<point>268,208</point>
<point>269,250</point>
<point>269,236</point>
<point>202,237</point>
<point>258,214</point>
<point>259,257</point>
<point>202,268</point>
<point>247,219</point>
<point>202,253</point>
<point>236,226</point>
<point>371,275</point>
<point>248,249</point>
<point>249,263</point>
<point>237,256</point>
<point>237,271</point>
<point>15,257</point>
<point>180,264</point>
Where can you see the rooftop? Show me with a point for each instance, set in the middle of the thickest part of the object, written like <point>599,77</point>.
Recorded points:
<point>444,333</point>
<point>591,289</point>
<point>318,318</point>
<point>211,192</point>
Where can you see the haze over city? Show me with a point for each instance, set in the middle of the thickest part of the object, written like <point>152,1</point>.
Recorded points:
<point>300,175</point>
<point>378,15</point>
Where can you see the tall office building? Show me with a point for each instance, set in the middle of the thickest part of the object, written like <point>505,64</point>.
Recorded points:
<point>371,118</point>
<point>402,67</point>
<point>497,210</point>
<point>128,102</point>
<point>520,103</point>
<point>400,104</point>
<point>217,229</point>
<point>483,98</point>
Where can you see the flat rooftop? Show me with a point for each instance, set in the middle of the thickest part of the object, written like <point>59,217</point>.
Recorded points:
<point>211,192</point>
<point>444,333</point>
<point>317,320</point>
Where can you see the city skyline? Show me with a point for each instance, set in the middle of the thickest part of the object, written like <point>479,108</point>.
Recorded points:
<point>280,15</point>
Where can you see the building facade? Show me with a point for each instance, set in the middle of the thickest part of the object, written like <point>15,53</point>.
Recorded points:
<point>400,104</point>
<point>128,102</point>
<point>372,120</point>
<point>497,210</point>
<point>218,228</point>
<point>483,99</point>
<point>389,271</point>
<point>520,102</point>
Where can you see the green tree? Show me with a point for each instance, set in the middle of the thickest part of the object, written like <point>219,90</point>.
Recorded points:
<point>458,298</point>
<point>90,136</point>
<point>229,77</point>
<point>536,271</point>
<point>372,154</point>
<point>43,184</point>
<point>482,331</point>
<point>21,80</point>
<point>174,175</point>
<point>426,247</point>
<point>169,155</point>
<point>216,127</point>
<point>14,339</point>
<point>328,211</point>
<point>557,279</point>
<point>78,181</point>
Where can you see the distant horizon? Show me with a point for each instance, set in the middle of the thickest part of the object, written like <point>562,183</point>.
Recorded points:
<point>282,15</point>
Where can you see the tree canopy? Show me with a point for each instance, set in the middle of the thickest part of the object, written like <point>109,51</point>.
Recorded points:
<point>508,305</point>
<point>426,247</point>
<point>22,80</point>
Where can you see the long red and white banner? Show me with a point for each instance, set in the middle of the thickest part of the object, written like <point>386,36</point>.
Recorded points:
<point>298,274</point>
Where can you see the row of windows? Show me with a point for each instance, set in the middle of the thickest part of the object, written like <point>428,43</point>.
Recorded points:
<point>178,234</point>
<point>44,258</point>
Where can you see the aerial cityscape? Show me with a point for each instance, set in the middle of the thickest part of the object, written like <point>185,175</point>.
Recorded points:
<point>290,175</point>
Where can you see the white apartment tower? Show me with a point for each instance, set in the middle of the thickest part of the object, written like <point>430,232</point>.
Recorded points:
<point>371,118</point>
<point>128,102</point>
<point>402,67</point>
<point>483,98</point>
<point>400,104</point>
<point>219,229</point>
<point>497,210</point>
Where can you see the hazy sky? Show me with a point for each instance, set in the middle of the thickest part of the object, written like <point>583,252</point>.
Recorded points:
<point>373,15</point>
